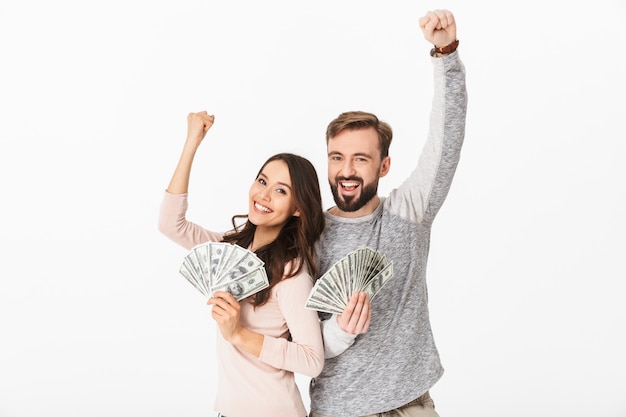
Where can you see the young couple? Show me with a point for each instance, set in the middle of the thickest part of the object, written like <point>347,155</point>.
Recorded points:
<point>374,358</point>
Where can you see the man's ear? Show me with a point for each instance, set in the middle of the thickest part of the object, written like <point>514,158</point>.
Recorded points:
<point>385,165</point>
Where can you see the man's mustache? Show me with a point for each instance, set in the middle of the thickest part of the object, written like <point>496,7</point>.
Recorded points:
<point>355,179</point>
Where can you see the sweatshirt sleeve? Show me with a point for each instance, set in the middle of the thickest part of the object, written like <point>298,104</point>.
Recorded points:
<point>420,196</point>
<point>303,352</point>
<point>336,341</point>
<point>174,224</point>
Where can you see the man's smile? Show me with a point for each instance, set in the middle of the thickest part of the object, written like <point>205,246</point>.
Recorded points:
<point>349,185</point>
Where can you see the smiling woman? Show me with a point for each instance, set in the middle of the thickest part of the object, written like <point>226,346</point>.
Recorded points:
<point>271,202</point>
<point>264,338</point>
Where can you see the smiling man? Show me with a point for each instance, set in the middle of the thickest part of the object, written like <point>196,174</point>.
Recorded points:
<point>381,358</point>
<point>357,158</point>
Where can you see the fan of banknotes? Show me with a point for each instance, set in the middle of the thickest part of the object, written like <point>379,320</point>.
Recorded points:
<point>361,270</point>
<point>221,266</point>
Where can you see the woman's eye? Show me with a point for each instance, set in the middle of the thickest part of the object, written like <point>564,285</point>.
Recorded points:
<point>281,191</point>
<point>261,181</point>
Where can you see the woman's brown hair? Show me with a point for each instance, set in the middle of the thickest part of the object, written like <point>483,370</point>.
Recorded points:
<point>296,238</point>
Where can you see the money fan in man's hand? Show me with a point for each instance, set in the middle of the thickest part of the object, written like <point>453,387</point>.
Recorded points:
<point>361,270</point>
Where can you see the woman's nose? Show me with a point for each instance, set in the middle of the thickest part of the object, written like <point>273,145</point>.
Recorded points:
<point>265,194</point>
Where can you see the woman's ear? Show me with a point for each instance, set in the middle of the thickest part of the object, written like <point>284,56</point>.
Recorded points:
<point>296,213</point>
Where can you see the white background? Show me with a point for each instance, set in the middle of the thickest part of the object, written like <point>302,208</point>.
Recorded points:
<point>526,274</point>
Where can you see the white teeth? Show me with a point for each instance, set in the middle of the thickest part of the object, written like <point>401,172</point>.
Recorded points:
<point>349,184</point>
<point>262,208</point>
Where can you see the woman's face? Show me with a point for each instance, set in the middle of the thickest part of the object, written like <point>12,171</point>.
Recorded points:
<point>272,202</point>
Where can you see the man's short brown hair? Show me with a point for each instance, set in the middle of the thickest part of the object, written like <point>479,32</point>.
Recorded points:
<point>356,120</point>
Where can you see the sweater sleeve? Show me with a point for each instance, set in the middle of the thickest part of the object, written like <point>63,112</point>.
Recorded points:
<point>303,352</point>
<point>421,195</point>
<point>336,341</point>
<point>174,224</point>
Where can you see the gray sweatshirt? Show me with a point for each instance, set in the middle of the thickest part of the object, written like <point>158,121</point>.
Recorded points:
<point>396,361</point>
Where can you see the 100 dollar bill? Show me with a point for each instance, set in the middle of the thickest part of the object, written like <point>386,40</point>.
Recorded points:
<point>245,285</point>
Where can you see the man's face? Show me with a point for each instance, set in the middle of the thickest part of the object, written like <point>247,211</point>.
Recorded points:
<point>354,167</point>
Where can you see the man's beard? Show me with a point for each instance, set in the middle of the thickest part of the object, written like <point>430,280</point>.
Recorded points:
<point>353,203</point>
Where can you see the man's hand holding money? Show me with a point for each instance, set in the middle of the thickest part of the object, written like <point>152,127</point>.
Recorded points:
<point>356,317</point>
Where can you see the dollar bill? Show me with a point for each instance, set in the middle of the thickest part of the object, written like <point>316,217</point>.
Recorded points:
<point>322,296</point>
<point>238,263</point>
<point>326,308</point>
<point>194,269</point>
<point>376,283</point>
<point>363,269</point>
<point>213,266</point>
<point>186,272</point>
<point>246,285</point>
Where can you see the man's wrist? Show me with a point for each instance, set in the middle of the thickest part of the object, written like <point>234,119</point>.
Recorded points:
<point>439,51</point>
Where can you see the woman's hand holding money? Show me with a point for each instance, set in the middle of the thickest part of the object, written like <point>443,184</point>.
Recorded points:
<point>225,312</point>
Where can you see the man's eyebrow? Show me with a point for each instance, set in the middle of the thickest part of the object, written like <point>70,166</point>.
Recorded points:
<point>365,154</point>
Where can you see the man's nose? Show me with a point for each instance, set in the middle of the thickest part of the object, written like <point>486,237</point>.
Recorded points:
<point>347,170</point>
